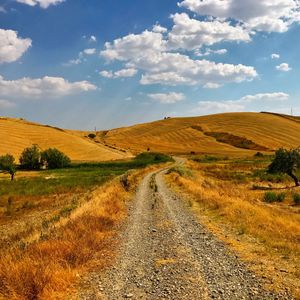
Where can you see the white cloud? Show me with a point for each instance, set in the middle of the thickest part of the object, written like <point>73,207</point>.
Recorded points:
<point>265,97</point>
<point>6,104</point>
<point>72,62</point>
<point>260,15</point>
<point>48,87</point>
<point>2,9</point>
<point>134,45</point>
<point>149,53</point>
<point>211,85</point>
<point>92,39</point>
<point>208,107</point>
<point>119,74</point>
<point>125,73</point>
<point>89,51</point>
<point>209,51</point>
<point>275,56</point>
<point>106,74</point>
<point>284,67</point>
<point>175,68</point>
<point>43,3</point>
<point>192,34</point>
<point>12,47</point>
<point>168,98</point>
<point>159,29</point>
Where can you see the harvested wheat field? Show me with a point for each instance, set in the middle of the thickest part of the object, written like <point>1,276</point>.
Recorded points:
<point>17,134</point>
<point>226,134</point>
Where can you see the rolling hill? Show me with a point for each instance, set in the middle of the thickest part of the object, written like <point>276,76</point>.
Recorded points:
<point>16,134</point>
<point>235,134</point>
<point>229,134</point>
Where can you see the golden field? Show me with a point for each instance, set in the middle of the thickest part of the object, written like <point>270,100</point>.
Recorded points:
<point>179,136</point>
<point>17,134</point>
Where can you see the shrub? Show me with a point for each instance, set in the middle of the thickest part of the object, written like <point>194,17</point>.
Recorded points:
<point>153,157</point>
<point>296,198</point>
<point>30,158</point>
<point>182,171</point>
<point>55,159</point>
<point>258,154</point>
<point>92,135</point>
<point>271,197</point>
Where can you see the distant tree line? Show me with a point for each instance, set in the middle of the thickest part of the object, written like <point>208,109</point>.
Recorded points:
<point>34,159</point>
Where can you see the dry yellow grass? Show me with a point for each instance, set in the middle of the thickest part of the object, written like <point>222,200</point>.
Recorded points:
<point>18,134</point>
<point>51,267</point>
<point>266,235</point>
<point>177,135</point>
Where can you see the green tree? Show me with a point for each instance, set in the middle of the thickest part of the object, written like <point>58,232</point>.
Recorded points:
<point>55,159</point>
<point>30,158</point>
<point>7,165</point>
<point>286,162</point>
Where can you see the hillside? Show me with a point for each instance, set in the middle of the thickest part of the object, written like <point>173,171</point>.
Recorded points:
<point>230,134</point>
<point>16,134</point>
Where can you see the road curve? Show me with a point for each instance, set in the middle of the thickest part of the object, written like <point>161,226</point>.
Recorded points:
<point>166,254</point>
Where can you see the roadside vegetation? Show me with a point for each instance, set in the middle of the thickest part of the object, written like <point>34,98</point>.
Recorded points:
<point>254,210</point>
<point>56,223</point>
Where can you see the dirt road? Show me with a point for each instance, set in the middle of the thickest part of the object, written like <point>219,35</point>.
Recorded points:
<point>167,254</point>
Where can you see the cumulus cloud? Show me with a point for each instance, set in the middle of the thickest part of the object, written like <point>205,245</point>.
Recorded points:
<point>209,51</point>
<point>2,9</point>
<point>125,73</point>
<point>192,34</point>
<point>159,29</point>
<point>148,52</point>
<point>42,3</point>
<point>208,107</point>
<point>89,51</point>
<point>284,67</point>
<point>48,87</point>
<point>92,39</point>
<point>275,56</point>
<point>107,74</point>
<point>12,47</point>
<point>167,98</point>
<point>259,15</point>
<point>134,45</point>
<point>119,74</point>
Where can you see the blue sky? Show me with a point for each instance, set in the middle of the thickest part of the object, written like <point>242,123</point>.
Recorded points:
<point>80,64</point>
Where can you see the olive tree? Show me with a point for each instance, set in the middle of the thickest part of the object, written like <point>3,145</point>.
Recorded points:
<point>7,165</point>
<point>286,162</point>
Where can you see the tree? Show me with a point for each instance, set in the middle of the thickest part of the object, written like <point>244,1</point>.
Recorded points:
<point>7,165</point>
<point>55,159</point>
<point>30,158</point>
<point>286,162</point>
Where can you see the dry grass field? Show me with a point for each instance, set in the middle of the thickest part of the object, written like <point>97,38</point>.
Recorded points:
<point>185,135</point>
<point>229,196</point>
<point>16,134</point>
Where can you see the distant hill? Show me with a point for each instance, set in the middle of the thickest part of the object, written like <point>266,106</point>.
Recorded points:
<point>16,134</point>
<point>229,134</point>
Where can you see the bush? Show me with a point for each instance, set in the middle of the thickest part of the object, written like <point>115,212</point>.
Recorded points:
<point>296,198</point>
<point>92,135</point>
<point>55,159</point>
<point>271,197</point>
<point>182,171</point>
<point>153,157</point>
<point>30,158</point>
